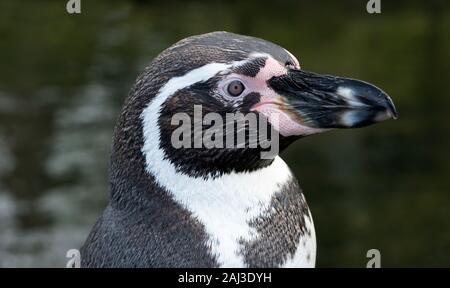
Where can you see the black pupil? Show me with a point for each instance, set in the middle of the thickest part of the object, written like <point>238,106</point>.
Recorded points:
<point>235,88</point>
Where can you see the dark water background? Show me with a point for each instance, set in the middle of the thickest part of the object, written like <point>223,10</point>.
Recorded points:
<point>63,79</point>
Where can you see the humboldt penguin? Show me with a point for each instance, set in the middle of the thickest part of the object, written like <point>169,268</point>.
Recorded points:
<point>177,205</point>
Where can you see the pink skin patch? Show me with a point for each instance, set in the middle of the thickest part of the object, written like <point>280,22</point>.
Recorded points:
<point>271,104</point>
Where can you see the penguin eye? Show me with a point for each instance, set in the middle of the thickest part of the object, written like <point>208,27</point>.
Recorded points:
<point>235,88</point>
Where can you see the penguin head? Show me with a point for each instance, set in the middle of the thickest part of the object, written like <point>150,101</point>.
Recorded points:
<point>181,106</point>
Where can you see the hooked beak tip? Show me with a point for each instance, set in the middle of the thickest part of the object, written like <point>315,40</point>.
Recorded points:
<point>370,105</point>
<point>391,110</point>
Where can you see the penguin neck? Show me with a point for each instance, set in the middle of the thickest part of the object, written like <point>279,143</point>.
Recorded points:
<point>225,205</point>
<point>228,189</point>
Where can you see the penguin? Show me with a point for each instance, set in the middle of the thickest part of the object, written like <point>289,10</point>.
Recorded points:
<point>219,207</point>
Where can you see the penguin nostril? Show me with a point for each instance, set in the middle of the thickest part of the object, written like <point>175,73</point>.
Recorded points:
<point>289,65</point>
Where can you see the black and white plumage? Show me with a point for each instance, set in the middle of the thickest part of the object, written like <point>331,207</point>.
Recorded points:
<point>219,207</point>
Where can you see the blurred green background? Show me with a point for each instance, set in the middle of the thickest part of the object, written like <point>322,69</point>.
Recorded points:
<point>63,79</point>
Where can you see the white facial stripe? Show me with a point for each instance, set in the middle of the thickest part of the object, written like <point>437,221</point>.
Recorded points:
<point>224,205</point>
<point>197,75</point>
<point>259,55</point>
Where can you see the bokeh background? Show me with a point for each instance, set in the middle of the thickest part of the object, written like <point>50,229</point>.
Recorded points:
<point>63,79</point>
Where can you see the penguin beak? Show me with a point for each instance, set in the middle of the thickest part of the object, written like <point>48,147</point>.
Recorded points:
<point>324,101</point>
